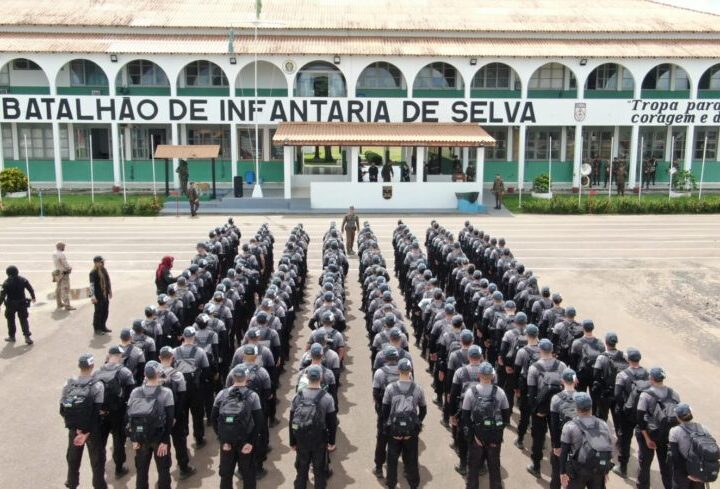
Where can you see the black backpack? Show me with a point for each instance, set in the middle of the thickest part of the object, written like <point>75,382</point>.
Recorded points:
<point>308,423</point>
<point>639,384</point>
<point>567,408</point>
<point>519,342</point>
<point>703,458</point>
<point>533,355</point>
<point>77,404</point>
<point>113,396</point>
<point>595,451</point>
<point>146,417</point>
<point>166,380</point>
<point>235,421</point>
<point>616,363</point>
<point>188,367</point>
<point>662,417</point>
<point>403,420</point>
<point>550,383</point>
<point>487,422</point>
<point>589,354</point>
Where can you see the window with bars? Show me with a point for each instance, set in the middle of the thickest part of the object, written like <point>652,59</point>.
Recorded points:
<point>7,142</point>
<point>711,79</point>
<point>493,76</point>
<point>499,151</point>
<point>143,73</point>
<point>86,73</point>
<point>537,142</point>
<point>666,77</point>
<point>211,135</point>
<point>246,143</point>
<point>712,143</point>
<point>204,74</point>
<point>277,151</point>
<point>438,76</point>
<point>39,138</point>
<point>139,143</point>
<point>679,134</point>
<point>551,76</point>
<point>25,64</point>
<point>381,75</point>
<point>5,76</point>
<point>654,142</point>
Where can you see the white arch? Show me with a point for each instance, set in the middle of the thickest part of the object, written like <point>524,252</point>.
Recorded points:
<point>512,69</point>
<point>368,65</point>
<point>334,67</point>
<point>457,70</point>
<point>598,65</point>
<point>690,80</point>
<point>180,82</point>
<point>245,77</point>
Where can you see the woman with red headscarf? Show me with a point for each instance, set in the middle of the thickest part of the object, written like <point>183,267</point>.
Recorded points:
<point>163,278</point>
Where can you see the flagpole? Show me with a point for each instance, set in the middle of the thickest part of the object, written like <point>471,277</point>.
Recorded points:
<point>642,146</point>
<point>122,162</point>
<point>152,159</point>
<point>670,170</point>
<point>92,172</point>
<point>257,190</point>
<point>550,164</point>
<point>27,168</point>
<point>612,145</point>
<point>702,168</point>
<point>580,187</point>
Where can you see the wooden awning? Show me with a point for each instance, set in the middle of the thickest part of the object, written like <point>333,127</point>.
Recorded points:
<point>187,152</point>
<point>381,134</point>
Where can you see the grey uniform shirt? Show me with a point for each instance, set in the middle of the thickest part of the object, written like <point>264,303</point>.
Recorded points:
<point>264,358</point>
<point>326,404</point>
<point>328,376</point>
<point>206,338</point>
<point>603,360</point>
<point>625,380</point>
<point>175,376</point>
<point>124,375</point>
<point>380,358</point>
<point>458,358</point>
<point>268,337</point>
<point>133,356</point>
<point>252,398</point>
<point>383,338</point>
<point>164,396</point>
<point>380,379</point>
<point>577,345</point>
<point>330,333</point>
<point>331,359</point>
<point>391,395</point>
<point>547,363</point>
<point>682,438</point>
<point>261,377</point>
<point>646,401</point>
<point>97,389</point>
<point>199,359</point>
<point>484,390</point>
<point>523,357</point>
<point>573,435</point>
<point>148,344</point>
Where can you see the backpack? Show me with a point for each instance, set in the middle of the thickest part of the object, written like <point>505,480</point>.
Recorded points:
<point>146,417</point>
<point>235,421</point>
<point>77,404</point>
<point>639,385</point>
<point>308,423</point>
<point>567,336</point>
<point>533,355</point>
<point>596,450</point>
<point>166,380</point>
<point>550,384</point>
<point>568,410</point>
<point>487,422</point>
<point>253,382</point>
<point>591,350</point>
<point>188,367</point>
<point>663,416</point>
<point>703,458</point>
<point>390,376</point>
<point>403,420</point>
<point>113,398</point>
<point>616,363</point>
<point>519,342</point>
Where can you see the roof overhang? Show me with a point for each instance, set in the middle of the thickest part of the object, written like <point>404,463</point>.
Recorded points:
<point>188,152</point>
<point>381,134</point>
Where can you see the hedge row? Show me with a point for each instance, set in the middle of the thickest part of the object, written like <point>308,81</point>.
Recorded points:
<point>144,206</point>
<point>622,205</point>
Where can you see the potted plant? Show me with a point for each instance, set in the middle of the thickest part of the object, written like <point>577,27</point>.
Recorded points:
<point>541,187</point>
<point>683,183</point>
<point>13,183</point>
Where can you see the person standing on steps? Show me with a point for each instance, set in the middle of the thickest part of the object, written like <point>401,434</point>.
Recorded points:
<point>100,295</point>
<point>61,277</point>
<point>350,224</point>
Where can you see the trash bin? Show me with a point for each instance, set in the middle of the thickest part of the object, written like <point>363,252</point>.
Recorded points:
<point>250,177</point>
<point>238,186</point>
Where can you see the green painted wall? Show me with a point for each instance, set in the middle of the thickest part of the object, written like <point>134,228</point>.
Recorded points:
<point>508,170</point>
<point>608,94</point>
<point>82,90</point>
<point>381,92</point>
<point>712,171</point>
<point>552,93</point>
<point>262,92</point>
<point>28,90</point>
<point>270,171</point>
<point>201,171</point>
<point>430,93</point>
<point>708,93</point>
<point>40,170</point>
<point>160,91</point>
<point>665,94</point>
<point>79,171</point>
<point>141,171</point>
<point>478,93</point>
<point>203,92</point>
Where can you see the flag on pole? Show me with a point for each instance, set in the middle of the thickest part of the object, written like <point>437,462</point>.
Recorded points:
<point>258,8</point>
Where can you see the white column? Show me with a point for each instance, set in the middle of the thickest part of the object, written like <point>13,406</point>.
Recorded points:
<point>465,158</point>
<point>16,144</point>
<point>634,143</point>
<point>419,164</point>
<point>56,155</point>
<point>510,142</point>
<point>71,141</point>
<point>668,144</point>
<point>175,137</point>
<point>689,146</point>
<point>563,143</point>
<point>521,158</point>
<point>233,150</point>
<point>117,171</point>
<point>289,160</point>
<point>352,155</point>
<point>577,157</point>
<point>128,143</point>
<point>615,150</point>
<point>265,144</point>
<point>480,171</point>
<point>2,156</point>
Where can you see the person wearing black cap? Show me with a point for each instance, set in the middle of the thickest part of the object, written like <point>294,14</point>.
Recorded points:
<point>396,339</point>
<point>551,316</point>
<point>485,413</point>
<point>12,295</point>
<point>174,380</point>
<point>80,404</point>
<point>383,377</point>
<point>654,420</point>
<point>133,357</point>
<point>690,469</point>
<point>328,382</point>
<point>151,414</point>
<point>584,352</point>
<point>463,378</point>
<point>628,382</point>
<point>313,424</point>
<point>562,410</point>
<point>192,362</point>
<point>583,465</point>
<point>513,341</point>
<point>526,356</point>
<point>610,362</point>
<point>142,341</point>
<point>118,382</point>
<point>100,295</point>
<point>403,411</point>
<point>267,337</point>
<point>237,419</point>
<point>564,332</point>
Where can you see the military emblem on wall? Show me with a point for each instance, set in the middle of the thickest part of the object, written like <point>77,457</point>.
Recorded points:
<point>580,111</point>
<point>387,192</point>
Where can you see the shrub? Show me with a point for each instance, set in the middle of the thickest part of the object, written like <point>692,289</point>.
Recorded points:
<point>142,206</point>
<point>564,204</point>
<point>373,157</point>
<point>683,181</point>
<point>13,180</point>
<point>541,184</point>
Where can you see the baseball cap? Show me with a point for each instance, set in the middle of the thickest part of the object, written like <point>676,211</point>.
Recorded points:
<point>261,317</point>
<point>657,374</point>
<point>165,352</point>
<point>125,334</point>
<point>86,360</point>
<point>390,319</point>
<point>520,318</point>
<point>634,355</point>
<point>583,401</point>
<point>546,345</point>
<point>568,375</point>
<point>115,350</point>
<point>395,333</point>
<point>532,330</point>
<point>682,410</point>
<point>404,365</point>
<point>556,297</point>
<point>137,326</point>
<point>239,372</point>
<point>189,332</point>
<point>486,369</point>
<point>466,335</point>
<point>316,350</point>
<point>449,309</point>
<point>475,352</point>
<point>151,369</point>
<point>98,259</point>
<point>611,338</point>
<point>510,305</point>
<point>457,320</point>
<point>497,296</point>
<point>570,312</point>
<point>249,350</point>
<point>588,325</point>
<point>253,333</point>
<point>390,352</point>
<point>314,373</point>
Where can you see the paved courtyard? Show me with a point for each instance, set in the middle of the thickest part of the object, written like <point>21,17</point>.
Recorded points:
<point>652,279</point>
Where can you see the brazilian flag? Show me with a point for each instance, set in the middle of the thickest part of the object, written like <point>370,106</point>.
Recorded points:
<point>258,8</point>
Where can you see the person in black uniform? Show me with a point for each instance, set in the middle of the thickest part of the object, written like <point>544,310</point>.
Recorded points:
<point>13,296</point>
<point>100,295</point>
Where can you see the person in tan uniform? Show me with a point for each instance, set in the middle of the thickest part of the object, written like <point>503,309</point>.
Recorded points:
<point>498,189</point>
<point>350,224</point>
<point>61,276</point>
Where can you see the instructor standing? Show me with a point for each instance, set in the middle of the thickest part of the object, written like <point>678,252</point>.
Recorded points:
<point>61,276</point>
<point>100,295</point>
<point>350,223</point>
<point>13,295</point>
